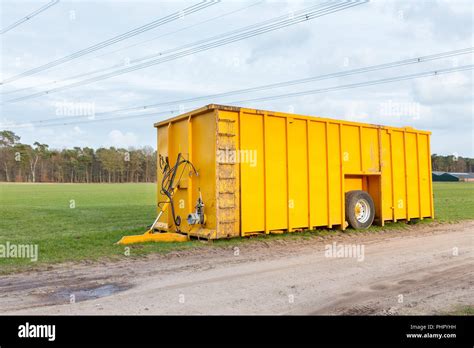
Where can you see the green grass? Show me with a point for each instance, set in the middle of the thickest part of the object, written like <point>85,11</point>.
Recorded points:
<point>42,214</point>
<point>454,201</point>
<point>461,310</point>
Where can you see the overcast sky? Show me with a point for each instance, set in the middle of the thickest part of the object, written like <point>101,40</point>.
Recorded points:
<point>373,33</point>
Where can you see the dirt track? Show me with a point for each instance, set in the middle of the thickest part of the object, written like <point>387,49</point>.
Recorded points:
<point>411,271</point>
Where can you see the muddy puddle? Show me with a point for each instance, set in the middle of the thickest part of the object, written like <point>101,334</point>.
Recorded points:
<point>68,295</point>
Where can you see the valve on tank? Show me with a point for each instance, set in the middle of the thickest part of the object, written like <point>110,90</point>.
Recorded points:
<point>197,217</point>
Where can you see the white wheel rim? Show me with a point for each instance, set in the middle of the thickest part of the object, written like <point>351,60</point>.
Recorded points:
<point>362,211</point>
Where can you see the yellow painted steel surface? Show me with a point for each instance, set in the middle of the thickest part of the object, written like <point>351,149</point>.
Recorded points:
<point>153,237</point>
<point>265,171</point>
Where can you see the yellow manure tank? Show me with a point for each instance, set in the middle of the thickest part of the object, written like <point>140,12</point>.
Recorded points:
<point>250,171</point>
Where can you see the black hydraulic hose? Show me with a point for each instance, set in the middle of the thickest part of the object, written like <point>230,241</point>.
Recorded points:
<point>167,187</point>
<point>167,183</point>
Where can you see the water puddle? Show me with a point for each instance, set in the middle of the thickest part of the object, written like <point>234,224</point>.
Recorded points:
<point>91,293</point>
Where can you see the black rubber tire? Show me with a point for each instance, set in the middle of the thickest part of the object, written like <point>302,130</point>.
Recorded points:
<point>352,197</point>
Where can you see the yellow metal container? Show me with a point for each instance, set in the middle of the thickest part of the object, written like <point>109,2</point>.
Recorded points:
<point>264,171</point>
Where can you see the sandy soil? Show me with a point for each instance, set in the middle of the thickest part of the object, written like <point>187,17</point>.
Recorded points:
<point>425,269</point>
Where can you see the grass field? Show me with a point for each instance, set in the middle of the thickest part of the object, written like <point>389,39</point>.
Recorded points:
<point>454,201</point>
<point>71,222</point>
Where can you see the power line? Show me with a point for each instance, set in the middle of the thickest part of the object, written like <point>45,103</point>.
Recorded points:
<point>283,96</point>
<point>238,35</point>
<point>28,17</point>
<point>167,19</point>
<point>188,27</point>
<point>163,53</point>
<point>360,84</point>
<point>180,48</point>
<point>137,44</point>
<point>404,62</point>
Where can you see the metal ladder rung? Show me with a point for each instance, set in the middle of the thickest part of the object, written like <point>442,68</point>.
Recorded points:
<point>226,149</point>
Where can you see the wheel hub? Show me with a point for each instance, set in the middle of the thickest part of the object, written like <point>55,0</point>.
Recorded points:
<point>362,210</point>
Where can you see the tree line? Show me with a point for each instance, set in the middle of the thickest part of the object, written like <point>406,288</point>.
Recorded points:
<point>452,163</point>
<point>38,163</point>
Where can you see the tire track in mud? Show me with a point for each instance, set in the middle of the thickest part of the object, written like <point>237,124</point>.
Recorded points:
<point>382,297</point>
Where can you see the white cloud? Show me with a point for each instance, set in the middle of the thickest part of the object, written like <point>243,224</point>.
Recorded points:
<point>443,89</point>
<point>119,139</point>
<point>78,130</point>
